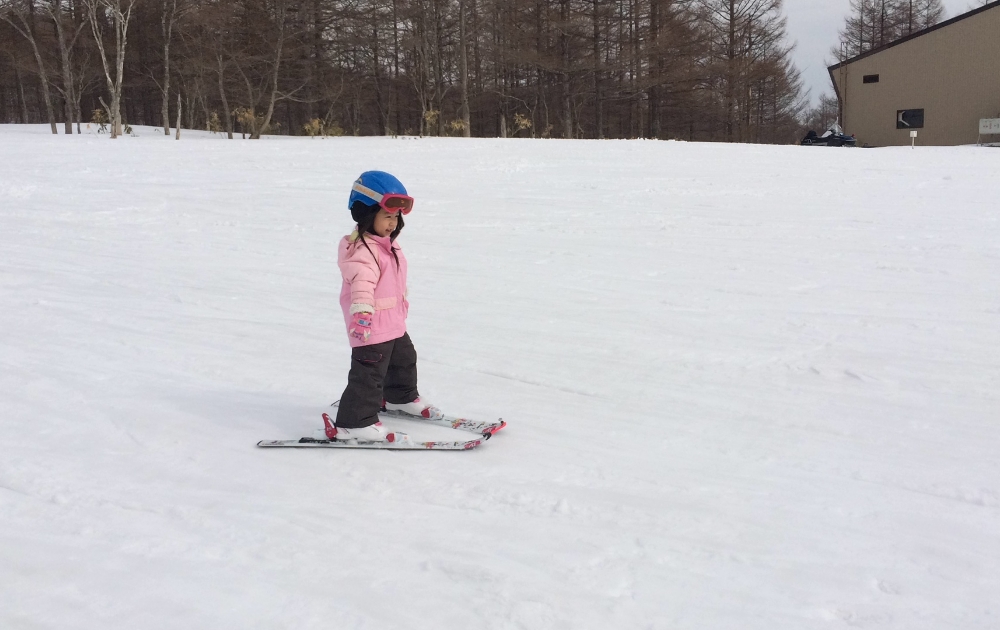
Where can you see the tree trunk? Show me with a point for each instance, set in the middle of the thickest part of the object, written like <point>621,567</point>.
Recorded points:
<point>225,102</point>
<point>203,101</point>
<point>463,55</point>
<point>731,71</point>
<point>311,59</point>
<point>567,112</point>
<point>637,126</point>
<point>539,74</point>
<point>178,136</point>
<point>20,93</point>
<point>274,77</point>
<point>394,96</point>
<point>422,69</point>
<point>76,107</point>
<point>121,40</point>
<point>55,12</point>
<point>598,106</point>
<point>438,69</point>
<point>167,16</point>
<point>376,66</point>
<point>46,94</point>
<point>476,57</point>
<point>654,75</point>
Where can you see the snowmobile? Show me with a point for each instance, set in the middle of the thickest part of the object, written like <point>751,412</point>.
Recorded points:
<point>830,138</point>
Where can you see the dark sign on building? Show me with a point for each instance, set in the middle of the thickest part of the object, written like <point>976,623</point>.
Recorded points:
<point>909,119</point>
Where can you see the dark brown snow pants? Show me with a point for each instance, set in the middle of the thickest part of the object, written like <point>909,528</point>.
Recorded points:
<point>385,370</point>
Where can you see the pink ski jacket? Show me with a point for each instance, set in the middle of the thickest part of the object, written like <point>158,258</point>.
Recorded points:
<point>373,283</point>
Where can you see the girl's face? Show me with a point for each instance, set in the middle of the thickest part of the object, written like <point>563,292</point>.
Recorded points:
<point>385,223</point>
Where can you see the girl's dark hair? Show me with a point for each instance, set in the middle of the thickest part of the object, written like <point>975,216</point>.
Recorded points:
<point>367,226</point>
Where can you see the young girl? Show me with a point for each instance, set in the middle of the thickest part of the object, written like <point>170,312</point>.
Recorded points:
<point>373,297</point>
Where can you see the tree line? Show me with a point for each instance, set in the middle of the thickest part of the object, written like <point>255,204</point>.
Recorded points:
<point>687,69</point>
<point>871,24</point>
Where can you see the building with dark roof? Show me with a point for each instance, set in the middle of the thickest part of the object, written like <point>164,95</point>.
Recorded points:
<point>939,82</point>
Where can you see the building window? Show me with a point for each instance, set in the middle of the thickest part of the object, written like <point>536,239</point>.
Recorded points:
<point>871,78</point>
<point>909,119</point>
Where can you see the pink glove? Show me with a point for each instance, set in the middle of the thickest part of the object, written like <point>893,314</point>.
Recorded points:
<point>361,326</point>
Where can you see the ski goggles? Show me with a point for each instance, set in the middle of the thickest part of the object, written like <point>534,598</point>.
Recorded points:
<point>390,202</point>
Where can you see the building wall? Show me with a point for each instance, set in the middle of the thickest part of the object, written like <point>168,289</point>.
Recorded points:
<point>952,73</point>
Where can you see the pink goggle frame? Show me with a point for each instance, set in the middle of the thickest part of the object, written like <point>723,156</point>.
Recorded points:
<point>393,203</point>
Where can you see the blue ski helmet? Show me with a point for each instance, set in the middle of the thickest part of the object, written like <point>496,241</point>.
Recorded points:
<point>370,187</point>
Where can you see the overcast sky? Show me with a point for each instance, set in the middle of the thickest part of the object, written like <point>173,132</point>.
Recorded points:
<point>813,25</point>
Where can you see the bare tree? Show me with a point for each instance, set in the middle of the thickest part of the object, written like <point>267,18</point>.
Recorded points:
<point>15,63</point>
<point>170,12</point>
<point>596,43</point>
<point>118,13</point>
<point>421,73</point>
<point>824,115</point>
<point>697,69</point>
<point>870,24</point>
<point>464,71</point>
<point>67,34</point>
<point>564,54</point>
<point>259,64</point>
<point>20,14</point>
<point>746,38</point>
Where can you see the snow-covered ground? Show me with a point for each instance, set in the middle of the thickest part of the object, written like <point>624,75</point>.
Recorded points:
<point>748,387</point>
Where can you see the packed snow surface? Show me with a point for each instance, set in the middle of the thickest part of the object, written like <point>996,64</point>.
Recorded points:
<point>748,387</point>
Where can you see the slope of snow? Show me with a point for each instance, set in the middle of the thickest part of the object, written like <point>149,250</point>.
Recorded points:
<point>748,387</point>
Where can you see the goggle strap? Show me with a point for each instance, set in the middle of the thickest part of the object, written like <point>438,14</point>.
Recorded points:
<point>367,192</point>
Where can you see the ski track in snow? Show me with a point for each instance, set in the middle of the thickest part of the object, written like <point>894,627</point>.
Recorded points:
<point>748,387</point>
